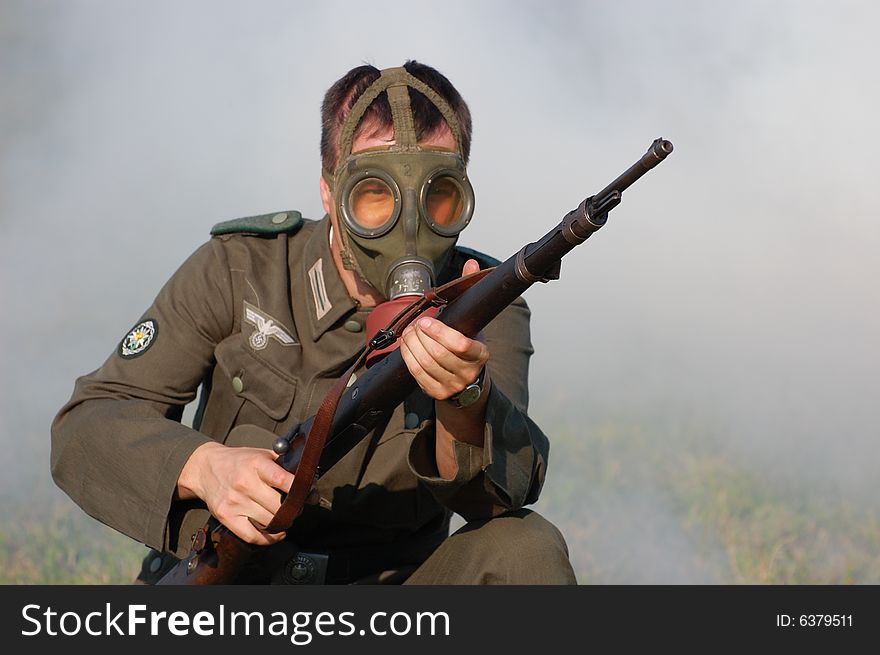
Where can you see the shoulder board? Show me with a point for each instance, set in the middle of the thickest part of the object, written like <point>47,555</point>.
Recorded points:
<point>266,224</point>
<point>485,261</point>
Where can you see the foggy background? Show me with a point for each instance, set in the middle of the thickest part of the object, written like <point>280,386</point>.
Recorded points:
<point>733,292</point>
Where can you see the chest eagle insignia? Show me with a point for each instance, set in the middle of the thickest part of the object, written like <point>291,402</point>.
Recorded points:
<point>266,328</point>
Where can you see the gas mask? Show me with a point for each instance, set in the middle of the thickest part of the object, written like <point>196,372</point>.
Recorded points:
<point>401,207</point>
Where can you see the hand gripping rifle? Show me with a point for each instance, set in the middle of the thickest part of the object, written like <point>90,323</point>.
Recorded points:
<point>348,413</point>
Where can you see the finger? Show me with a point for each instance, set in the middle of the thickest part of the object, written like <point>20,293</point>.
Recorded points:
<point>426,370</point>
<point>245,530</point>
<point>246,508</point>
<point>450,374</point>
<point>259,514</point>
<point>470,266</point>
<point>428,384</point>
<point>274,475</point>
<point>451,341</point>
<point>437,362</point>
<point>266,490</point>
<point>268,499</point>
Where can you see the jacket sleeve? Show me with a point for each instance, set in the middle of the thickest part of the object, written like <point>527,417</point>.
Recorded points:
<point>118,446</point>
<point>507,472</point>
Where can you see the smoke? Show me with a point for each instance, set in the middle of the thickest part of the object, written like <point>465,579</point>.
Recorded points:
<point>734,287</point>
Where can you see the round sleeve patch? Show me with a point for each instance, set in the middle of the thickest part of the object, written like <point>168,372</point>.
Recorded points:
<point>139,339</point>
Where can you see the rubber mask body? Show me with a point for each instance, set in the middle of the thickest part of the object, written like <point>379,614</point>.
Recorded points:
<point>401,209</point>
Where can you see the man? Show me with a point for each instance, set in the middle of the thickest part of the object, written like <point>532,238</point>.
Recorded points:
<point>267,315</point>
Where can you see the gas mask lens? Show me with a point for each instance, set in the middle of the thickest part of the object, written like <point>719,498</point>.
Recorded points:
<point>443,204</point>
<point>373,205</point>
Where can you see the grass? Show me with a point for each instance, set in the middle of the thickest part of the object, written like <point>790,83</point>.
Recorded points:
<point>56,543</point>
<point>778,534</point>
<point>679,506</point>
<point>637,504</point>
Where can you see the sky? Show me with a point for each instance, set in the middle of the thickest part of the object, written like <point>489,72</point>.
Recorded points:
<point>734,288</point>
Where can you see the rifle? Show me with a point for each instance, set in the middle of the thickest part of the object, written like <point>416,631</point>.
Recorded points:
<point>350,412</point>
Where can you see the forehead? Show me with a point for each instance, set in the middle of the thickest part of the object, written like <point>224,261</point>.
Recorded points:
<point>442,139</point>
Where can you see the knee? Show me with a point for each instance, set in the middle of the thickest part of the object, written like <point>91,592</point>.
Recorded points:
<point>524,548</point>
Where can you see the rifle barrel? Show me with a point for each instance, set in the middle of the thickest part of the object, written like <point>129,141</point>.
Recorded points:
<point>658,151</point>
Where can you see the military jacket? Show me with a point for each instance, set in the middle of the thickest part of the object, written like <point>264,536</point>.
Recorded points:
<point>260,320</point>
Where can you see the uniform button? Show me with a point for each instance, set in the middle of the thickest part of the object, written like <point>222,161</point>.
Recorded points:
<point>353,326</point>
<point>237,384</point>
<point>155,564</point>
<point>411,421</point>
<point>279,218</point>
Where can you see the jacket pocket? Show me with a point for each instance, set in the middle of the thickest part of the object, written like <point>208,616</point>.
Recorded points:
<point>253,380</point>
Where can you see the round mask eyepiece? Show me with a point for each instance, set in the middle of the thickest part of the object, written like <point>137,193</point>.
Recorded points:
<point>447,202</point>
<point>370,203</point>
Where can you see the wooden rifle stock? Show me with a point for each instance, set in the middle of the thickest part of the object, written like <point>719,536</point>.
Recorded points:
<point>218,555</point>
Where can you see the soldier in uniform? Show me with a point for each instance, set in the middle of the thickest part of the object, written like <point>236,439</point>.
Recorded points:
<point>266,315</point>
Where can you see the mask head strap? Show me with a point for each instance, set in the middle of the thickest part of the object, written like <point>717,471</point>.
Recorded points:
<point>395,82</point>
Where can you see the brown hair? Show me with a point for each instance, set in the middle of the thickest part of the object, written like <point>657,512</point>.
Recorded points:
<point>427,119</point>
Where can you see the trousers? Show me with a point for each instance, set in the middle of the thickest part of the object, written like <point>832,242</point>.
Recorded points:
<point>519,547</point>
